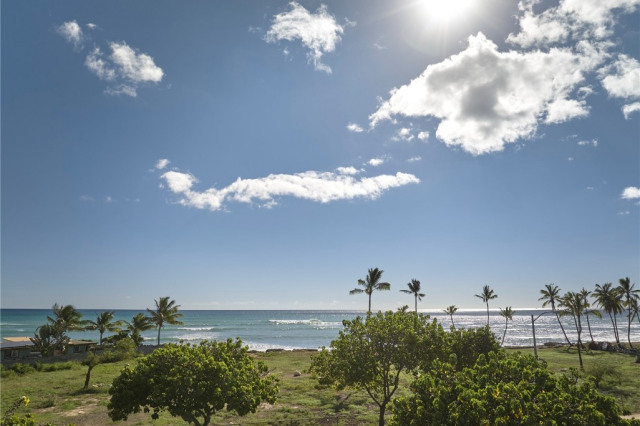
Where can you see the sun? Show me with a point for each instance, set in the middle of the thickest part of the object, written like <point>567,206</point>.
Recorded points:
<point>446,11</point>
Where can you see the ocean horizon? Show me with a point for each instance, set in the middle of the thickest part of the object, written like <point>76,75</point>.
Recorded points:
<point>312,329</point>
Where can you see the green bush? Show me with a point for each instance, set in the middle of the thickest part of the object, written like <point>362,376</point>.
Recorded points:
<point>503,389</point>
<point>22,368</point>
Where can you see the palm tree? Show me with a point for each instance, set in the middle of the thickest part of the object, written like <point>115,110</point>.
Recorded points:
<point>550,295</point>
<point>166,312</point>
<point>48,338</point>
<point>372,283</point>
<point>610,300</point>
<point>507,313</point>
<point>450,311</point>
<point>138,324</point>
<point>414,288</point>
<point>104,322</point>
<point>585,294</point>
<point>630,294</point>
<point>486,295</point>
<point>573,304</point>
<point>65,318</point>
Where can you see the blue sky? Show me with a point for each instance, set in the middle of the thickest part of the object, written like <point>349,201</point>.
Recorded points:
<point>265,154</point>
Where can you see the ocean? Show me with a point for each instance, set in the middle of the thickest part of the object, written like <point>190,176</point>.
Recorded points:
<point>306,329</point>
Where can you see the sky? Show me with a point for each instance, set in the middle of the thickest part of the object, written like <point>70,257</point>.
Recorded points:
<point>266,154</point>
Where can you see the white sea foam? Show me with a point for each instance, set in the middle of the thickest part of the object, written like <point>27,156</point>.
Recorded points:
<point>311,322</point>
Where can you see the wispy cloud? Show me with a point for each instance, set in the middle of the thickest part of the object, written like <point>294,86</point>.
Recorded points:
<point>629,109</point>
<point>72,32</point>
<point>319,32</point>
<point>414,159</point>
<point>315,186</point>
<point>592,142</point>
<point>630,193</point>
<point>123,67</point>
<point>353,127</point>
<point>162,163</point>
<point>375,162</point>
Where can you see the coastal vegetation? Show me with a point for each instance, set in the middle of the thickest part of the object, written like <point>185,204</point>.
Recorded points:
<point>166,311</point>
<point>486,295</point>
<point>414,288</point>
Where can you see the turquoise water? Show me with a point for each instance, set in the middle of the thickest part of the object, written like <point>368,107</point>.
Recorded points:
<point>262,330</point>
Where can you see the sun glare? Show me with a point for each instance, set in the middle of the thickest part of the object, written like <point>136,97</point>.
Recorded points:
<point>445,11</point>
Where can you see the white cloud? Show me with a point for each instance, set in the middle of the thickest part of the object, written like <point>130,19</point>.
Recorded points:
<point>570,20</point>
<point>486,98</point>
<point>347,170</point>
<point>423,136</point>
<point>315,186</point>
<point>414,159</point>
<point>162,163</point>
<point>627,110</point>
<point>91,26</point>
<point>570,159</point>
<point>375,162</point>
<point>622,78</point>
<point>126,68</point>
<point>403,134</point>
<point>630,193</point>
<point>72,32</point>
<point>108,199</point>
<point>353,127</point>
<point>318,32</point>
<point>624,213</point>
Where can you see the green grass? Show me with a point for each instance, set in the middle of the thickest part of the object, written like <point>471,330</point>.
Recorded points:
<point>58,397</point>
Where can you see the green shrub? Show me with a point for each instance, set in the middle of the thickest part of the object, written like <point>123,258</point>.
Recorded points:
<point>22,368</point>
<point>503,389</point>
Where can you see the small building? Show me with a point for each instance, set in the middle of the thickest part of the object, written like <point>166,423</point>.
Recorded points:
<point>22,348</point>
<point>13,348</point>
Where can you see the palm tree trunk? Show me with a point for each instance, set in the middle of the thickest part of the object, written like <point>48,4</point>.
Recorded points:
<point>579,329</point>
<point>629,329</point>
<point>417,304</point>
<point>452,324</point>
<point>615,329</point>
<point>562,328</point>
<point>589,326</point>
<point>506,324</point>
<point>487,314</point>
<point>615,336</point>
<point>369,311</point>
<point>159,328</point>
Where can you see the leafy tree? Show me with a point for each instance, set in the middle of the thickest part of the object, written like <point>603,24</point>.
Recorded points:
<point>104,322</point>
<point>414,288</point>
<point>371,283</point>
<point>371,354</point>
<point>486,295</point>
<point>467,345</point>
<point>90,362</point>
<point>166,312</point>
<point>503,389</point>
<point>610,300</point>
<point>193,383</point>
<point>124,349</point>
<point>138,324</point>
<point>450,311</point>
<point>630,294</point>
<point>550,295</point>
<point>507,313</point>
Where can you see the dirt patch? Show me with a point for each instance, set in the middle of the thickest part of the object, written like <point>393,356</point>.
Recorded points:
<point>632,416</point>
<point>87,405</point>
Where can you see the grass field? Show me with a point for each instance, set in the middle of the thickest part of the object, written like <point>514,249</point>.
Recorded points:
<point>58,397</point>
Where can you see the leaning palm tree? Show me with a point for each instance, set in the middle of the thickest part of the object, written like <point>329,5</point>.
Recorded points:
<point>371,283</point>
<point>138,324</point>
<point>630,294</point>
<point>414,288</point>
<point>507,313</point>
<point>486,295</point>
<point>610,300</point>
<point>585,294</point>
<point>573,304</point>
<point>550,295</point>
<point>104,322</point>
<point>166,312</point>
<point>450,311</point>
<point>66,318</point>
